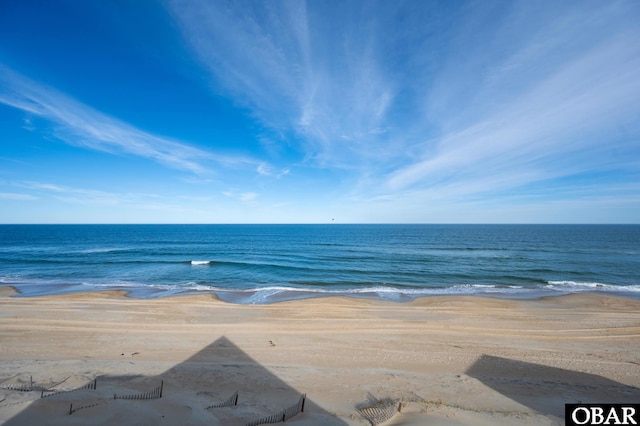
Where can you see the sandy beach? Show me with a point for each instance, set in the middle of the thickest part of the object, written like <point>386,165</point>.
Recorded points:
<point>445,360</point>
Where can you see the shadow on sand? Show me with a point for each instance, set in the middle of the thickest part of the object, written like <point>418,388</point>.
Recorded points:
<point>547,389</point>
<point>189,390</point>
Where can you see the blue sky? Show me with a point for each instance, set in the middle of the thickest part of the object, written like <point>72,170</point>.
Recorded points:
<point>201,111</point>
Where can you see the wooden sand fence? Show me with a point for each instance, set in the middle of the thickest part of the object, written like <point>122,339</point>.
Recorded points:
<point>48,392</point>
<point>231,402</point>
<point>27,387</point>
<point>379,411</point>
<point>154,394</point>
<point>95,404</point>
<point>282,416</point>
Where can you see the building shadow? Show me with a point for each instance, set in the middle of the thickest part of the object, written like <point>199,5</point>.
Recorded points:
<point>547,389</point>
<point>198,391</point>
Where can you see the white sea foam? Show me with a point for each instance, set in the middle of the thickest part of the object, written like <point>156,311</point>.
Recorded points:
<point>102,250</point>
<point>573,286</point>
<point>271,294</point>
<point>276,293</point>
<point>200,262</point>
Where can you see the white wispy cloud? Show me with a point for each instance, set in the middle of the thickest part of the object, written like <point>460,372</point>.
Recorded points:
<point>246,197</point>
<point>297,71</point>
<point>81,125</point>
<point>426,97</point>
<point>86,204</point>
<point>565,122</point>
<point>17,196</point>
<point>82,196</point>
<point>266,170</point>
<point>13,160</point>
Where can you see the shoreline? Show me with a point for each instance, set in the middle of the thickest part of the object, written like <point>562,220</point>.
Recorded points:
<point>280,294</point>
<point>448,359</point>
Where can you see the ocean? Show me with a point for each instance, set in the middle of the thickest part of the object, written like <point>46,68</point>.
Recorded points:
<point>255,264</point>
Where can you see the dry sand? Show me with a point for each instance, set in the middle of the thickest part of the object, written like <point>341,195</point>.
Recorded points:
<point>448,360</point>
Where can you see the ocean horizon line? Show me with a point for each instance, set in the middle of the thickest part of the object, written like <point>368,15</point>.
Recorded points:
<point>330,223</point>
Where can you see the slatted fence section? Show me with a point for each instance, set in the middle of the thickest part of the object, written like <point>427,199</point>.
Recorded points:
<point>10,404</point>
<point>295,409</point>
<point>154,394</point>
<point>27,387</point>
<point>231,402</point>
<point>380,411</point>
<point>282,416</point>
<point>48,392</point>
<point>84,407</point>
<point>6,380</point>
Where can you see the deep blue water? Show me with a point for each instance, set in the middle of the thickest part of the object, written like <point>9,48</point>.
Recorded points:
<point>266,263</point>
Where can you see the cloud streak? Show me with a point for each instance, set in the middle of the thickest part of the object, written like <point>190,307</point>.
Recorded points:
<point>246,197</point>
<point>84,204</point>
<point>422,97</point>
<point>567,123</point>
<point>81,195</point>
<point>297,72</point>
<point>80,125</point>
<point>16,196</point>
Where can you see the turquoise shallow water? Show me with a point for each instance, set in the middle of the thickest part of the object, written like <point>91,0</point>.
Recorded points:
<point>267,263</point>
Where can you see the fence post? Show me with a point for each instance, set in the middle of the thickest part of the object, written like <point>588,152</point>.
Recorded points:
<point>304,397</point>
<point>70,409</point>
<point>161,386</point>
